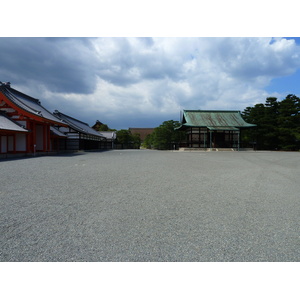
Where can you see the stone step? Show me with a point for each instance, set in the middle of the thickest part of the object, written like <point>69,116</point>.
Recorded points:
<point>207,149</point>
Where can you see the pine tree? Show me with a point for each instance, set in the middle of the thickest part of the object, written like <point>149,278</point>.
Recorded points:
<point>278,123</point>
<point>288,123</point>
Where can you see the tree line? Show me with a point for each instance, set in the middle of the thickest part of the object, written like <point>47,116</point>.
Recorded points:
<point>165,136</point>
<point>278,128</point>
<point>278,124</point>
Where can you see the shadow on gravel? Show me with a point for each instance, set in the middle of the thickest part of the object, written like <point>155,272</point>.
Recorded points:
<point>62,154</point>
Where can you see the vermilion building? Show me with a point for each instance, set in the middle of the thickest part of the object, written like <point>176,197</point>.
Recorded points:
<point>24,123</point>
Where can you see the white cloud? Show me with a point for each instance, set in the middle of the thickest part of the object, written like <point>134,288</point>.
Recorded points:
<point>121,79</point>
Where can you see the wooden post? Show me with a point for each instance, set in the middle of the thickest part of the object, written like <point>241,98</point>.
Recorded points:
<point>48,135</point>
<point>199,132</point>
<point>28,137</point>
<point>33,137</point>
<point>45,138</point>
<point>14,143</point>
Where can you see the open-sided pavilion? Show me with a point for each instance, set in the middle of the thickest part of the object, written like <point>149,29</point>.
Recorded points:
<point>212,129</point>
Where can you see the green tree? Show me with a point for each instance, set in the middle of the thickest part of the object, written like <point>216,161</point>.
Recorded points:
<point>103,127</point>
<point>136,140</point>
<point>165,136</point>
<point>123,138</point>
<point>255,115</point>
<point>128,140</point>
<point>147,143</point>
<point>278,123</point>
<point>99,126</point>
<point>270,123</point>
<point>289,123</point>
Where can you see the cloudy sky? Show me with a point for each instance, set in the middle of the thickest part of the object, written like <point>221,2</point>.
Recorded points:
<point>141,82</point>
<point>136,63</point>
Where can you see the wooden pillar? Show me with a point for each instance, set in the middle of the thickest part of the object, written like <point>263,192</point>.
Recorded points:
<point>33,137</point>
<point>28,137</point>
<point>48,135</point>
<point>14,143</point>
<point>6,144</point>
<point>44,138</point>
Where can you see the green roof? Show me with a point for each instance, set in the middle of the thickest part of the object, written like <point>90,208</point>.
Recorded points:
<point>214,119</point>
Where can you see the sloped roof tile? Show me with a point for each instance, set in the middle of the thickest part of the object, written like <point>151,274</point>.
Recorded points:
<point>214,119</point>
<point>10,125</point>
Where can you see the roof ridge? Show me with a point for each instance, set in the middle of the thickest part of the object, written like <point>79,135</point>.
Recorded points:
<point>14,97</point>
<point>70,123</point>
<point>22,94</point>
<point>211,110</point>
<point>56,111</point>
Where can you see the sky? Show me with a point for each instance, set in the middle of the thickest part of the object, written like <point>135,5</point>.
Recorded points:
<point>139,76</point>
<point>141,82</point>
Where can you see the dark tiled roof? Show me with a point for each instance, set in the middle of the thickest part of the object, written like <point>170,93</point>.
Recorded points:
<point>57,132</point>
<point>27,103</point>
<point>77,125</point>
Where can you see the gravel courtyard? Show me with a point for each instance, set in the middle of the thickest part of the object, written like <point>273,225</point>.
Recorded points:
<point>143,205</point>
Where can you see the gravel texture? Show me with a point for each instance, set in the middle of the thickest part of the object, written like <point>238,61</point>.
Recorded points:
<point>143,205</point>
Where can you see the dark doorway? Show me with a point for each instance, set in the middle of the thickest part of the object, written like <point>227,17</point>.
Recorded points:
<point>219,140</point>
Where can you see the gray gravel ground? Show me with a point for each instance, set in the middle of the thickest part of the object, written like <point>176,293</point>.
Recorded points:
<point>142,205</point>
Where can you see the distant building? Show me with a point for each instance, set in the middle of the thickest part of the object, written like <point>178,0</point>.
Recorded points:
<point>143,132</point>
<point>25,125</point>
<point>212,129</point>
<point>97,125</point>
<point>110,139</point>
<point>109,134</point>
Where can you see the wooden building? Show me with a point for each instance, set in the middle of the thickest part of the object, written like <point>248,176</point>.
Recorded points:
<point>25,123</point>
<point>212,129</point>
<point>109,134</point>
<point>110,137</point>
<point>80,136</point>
<point>97,126</point>
<point>12,135</point>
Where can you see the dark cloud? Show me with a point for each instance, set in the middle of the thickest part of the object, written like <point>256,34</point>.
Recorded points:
<point>63,65</point>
